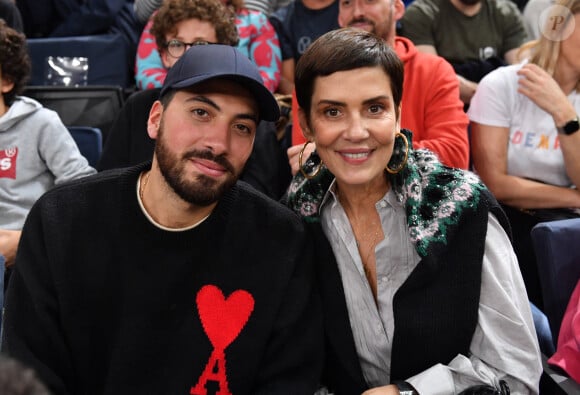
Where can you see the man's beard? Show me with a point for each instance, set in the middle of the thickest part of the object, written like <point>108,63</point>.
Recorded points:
<point>200,191</point>
<point>381,30</point>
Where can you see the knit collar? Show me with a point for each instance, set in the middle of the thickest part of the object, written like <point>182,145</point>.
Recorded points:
<point>434,195</point>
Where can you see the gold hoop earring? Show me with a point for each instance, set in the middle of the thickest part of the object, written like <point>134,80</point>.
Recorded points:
<point>306,175</point>
<point>404,161</point>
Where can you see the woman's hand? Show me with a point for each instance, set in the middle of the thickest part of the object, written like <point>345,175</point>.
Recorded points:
<point>294,155</point>
<point>536,84</point>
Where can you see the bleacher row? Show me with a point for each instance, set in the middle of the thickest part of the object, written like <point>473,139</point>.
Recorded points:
<point>86,98</point>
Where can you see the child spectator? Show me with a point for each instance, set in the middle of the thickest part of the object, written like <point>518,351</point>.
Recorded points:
<point>257,40</point>
<point>36,149</point>
<point>297,25</point>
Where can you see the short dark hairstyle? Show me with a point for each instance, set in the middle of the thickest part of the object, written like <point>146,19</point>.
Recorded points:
<point>14,60</point>
<point>342,50</point>
<point>172,12</point>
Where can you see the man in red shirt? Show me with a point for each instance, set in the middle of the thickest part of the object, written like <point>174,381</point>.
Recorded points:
<point>431,107</point>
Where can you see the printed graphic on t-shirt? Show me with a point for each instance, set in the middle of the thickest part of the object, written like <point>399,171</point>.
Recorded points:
<point>487,52</point>
<point>8,162</point>
<point>535,140</point>
<point>222,319</point>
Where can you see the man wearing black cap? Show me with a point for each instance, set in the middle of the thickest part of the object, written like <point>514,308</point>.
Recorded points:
<point>171,277</point>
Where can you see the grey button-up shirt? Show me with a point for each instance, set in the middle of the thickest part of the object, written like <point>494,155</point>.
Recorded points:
<point>504,344</point>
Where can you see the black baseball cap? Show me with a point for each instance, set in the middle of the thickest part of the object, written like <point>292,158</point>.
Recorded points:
<point>204,62</point>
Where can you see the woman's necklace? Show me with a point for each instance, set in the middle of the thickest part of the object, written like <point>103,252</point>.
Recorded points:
<point>367,232</point>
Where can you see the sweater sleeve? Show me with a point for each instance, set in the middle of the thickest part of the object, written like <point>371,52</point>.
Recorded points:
<point>417,23</point>
<point>494,100</point>
<point>149,70</point>
<point>514,30</point>
<point>293,359</point>
<point>445,122</point>
<point>32,330</point>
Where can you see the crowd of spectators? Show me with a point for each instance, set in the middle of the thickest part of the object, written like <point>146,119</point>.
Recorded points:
<point>490,87</point>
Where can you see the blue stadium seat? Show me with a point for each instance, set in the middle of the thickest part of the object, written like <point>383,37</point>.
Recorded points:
<point>558,255</point>
<point>106,60</point>
<point>90,142</point>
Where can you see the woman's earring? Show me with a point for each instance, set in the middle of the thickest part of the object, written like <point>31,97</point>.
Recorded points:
<point>403,163</point>
<point>306,175</point>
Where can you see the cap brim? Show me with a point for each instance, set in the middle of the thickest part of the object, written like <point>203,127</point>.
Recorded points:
<point>267,104</point>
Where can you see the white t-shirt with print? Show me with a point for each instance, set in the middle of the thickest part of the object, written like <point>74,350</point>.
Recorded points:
<point>534,147</point>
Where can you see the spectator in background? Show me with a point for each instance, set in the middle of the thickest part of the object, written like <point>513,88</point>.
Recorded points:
<point>531,15</point>
<point>11,15</point>
<point>188,20</point>
<point>257,40</point>
<point>475,36</point>
<point>298,24</point>
<point>37,151</point>
<point>525,139</point>
<point>430,105</point>
<point>144,8</point>
<point>567,355</point>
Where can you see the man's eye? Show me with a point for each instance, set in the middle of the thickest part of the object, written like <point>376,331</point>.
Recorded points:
<point>375,109</point>
<point>245,129</point>
<point>200,112</point>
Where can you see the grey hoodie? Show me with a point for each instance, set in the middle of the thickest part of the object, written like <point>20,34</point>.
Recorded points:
<point>36,152</point>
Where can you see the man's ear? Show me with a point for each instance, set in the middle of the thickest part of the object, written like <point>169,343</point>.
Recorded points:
<point>399,9</point>
<point>154,119</point>
<point>304,124</point>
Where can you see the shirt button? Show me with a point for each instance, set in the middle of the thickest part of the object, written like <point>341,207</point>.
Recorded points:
<point>383,204</point>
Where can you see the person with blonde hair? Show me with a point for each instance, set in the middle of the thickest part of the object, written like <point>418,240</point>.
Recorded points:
<point>524,134</point>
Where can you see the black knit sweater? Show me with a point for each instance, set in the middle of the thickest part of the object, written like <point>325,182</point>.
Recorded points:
<point>104,302</point>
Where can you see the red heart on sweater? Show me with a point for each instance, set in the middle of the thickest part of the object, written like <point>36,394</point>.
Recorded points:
<point>223,319</point>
